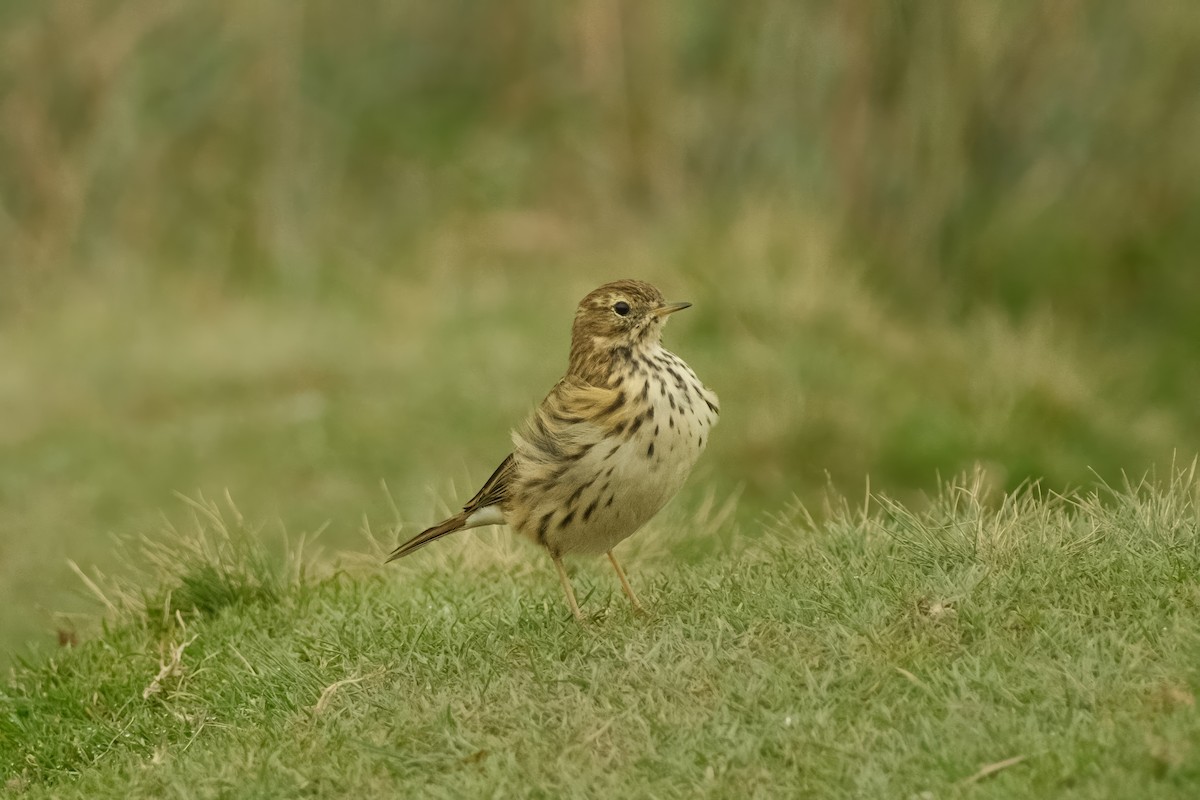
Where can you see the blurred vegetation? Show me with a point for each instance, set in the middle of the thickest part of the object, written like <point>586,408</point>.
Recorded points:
<point>1023,153</point>
<point>294,249</point>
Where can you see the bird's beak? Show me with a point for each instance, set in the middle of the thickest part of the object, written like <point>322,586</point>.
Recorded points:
<point>669,308</point>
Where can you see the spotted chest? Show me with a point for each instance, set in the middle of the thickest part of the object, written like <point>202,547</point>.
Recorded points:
<point>623,467</point>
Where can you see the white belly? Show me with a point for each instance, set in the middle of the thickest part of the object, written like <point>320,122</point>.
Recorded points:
<point>624,480</point>
<point>640,486</point>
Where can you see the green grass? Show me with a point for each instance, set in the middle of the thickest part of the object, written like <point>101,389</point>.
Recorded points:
<point>880,653</point>
<point>295,252</point>
<point>325,257</point>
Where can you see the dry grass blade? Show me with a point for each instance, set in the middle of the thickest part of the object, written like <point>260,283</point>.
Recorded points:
<point>328,692</point>
<point>992,769</point>
<point>171,667</point>
<point>911,678</point>
<point>92,586</point>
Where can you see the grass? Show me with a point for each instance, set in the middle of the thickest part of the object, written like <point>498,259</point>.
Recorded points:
<point>323,258</point>
<point>1008,646</point>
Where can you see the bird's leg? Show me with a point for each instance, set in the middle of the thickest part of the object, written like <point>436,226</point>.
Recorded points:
<point>566,584</point>
<point>625,583</point>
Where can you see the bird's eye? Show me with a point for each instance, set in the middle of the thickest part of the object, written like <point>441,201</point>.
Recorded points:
<point>621,307</point>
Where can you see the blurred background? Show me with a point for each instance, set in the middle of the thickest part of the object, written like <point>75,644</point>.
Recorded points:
<point>296,249</point>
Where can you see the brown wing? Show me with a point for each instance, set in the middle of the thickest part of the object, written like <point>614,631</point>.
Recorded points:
<point>574,400</point>
<point>570,419</point>
<point>495,489</point>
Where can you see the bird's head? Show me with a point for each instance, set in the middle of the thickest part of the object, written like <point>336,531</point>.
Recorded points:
<point>622,316</point>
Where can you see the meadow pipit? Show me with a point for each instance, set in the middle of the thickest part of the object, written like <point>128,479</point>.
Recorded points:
<point>608,447</point>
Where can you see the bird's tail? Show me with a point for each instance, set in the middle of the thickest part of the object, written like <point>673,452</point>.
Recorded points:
<point>455,523</point>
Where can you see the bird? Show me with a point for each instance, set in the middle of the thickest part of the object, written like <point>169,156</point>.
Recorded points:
<point>611,443</point>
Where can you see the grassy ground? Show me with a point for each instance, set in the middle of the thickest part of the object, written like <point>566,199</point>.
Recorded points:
<point>324,257</point>
<point>1004,647</point>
